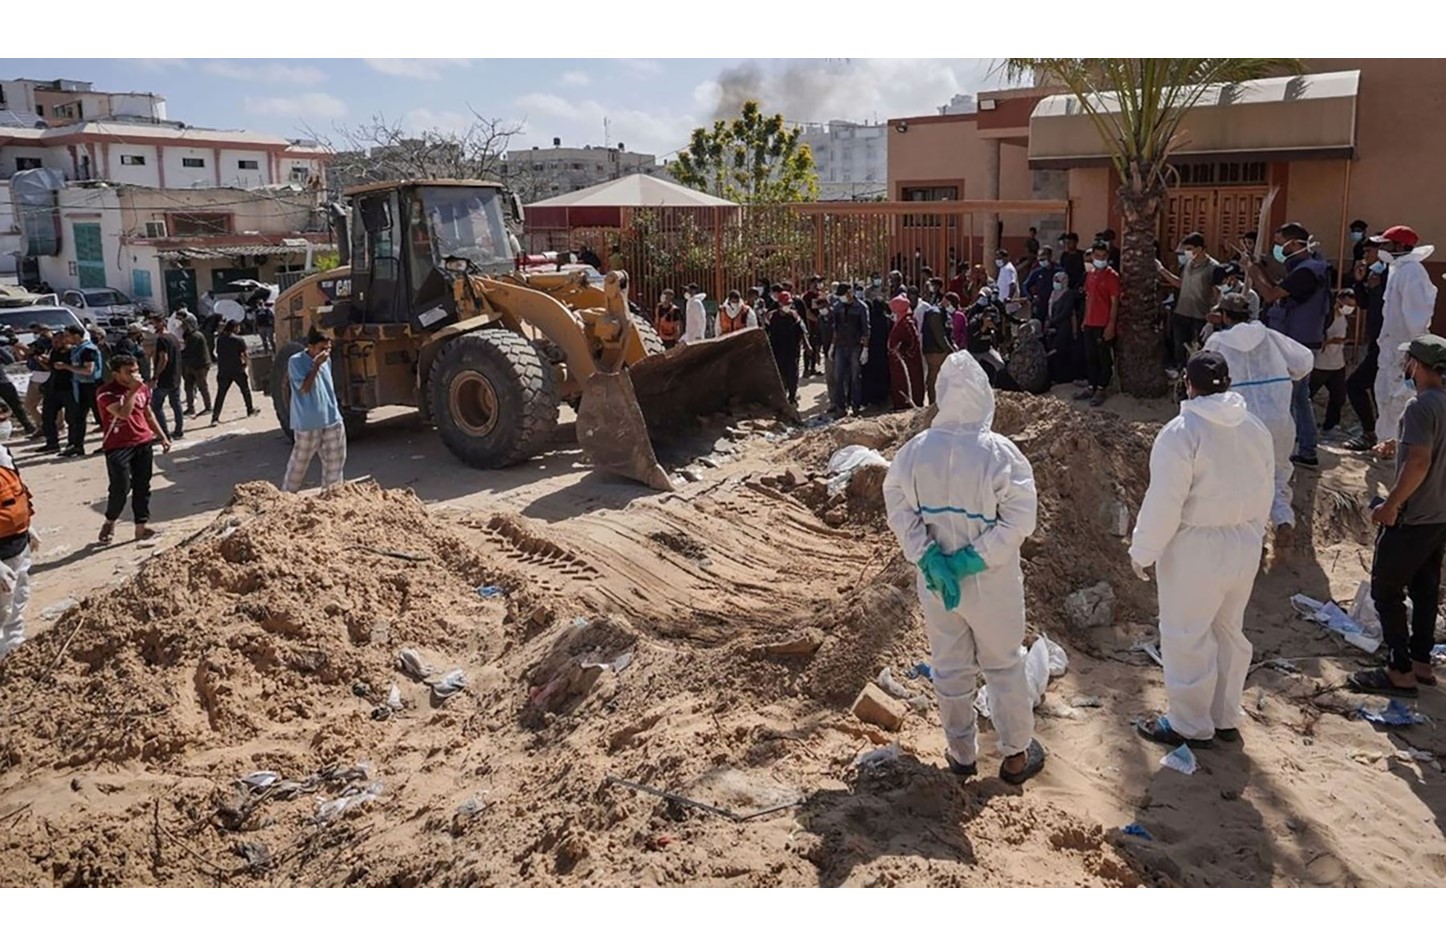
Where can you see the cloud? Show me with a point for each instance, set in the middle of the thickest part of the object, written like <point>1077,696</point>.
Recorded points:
<point>574,78</point>
<point>416,68</point>
<point>251,71</point>
<point>305,105</point>
<point>418,120</point>
<point>580,122</point>
<point>642,68</point>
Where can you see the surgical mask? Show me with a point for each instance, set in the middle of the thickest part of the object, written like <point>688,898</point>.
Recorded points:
<point>1385,257</point>
<point>878,283</point>
<point>1348,310</point>
<point>1279,252</point>
<point>1183,258</point>
<point>1378,267</point>
<point>1061,283</point>
<point>1357,235</point>
<point>1043,260</point>
<point>1100,263</point>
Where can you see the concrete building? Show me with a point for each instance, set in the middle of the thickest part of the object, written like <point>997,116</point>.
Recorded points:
<point>1341,142</point>
<point>67,101</point>
<point>851,158</point>
<point>168,246</point>
<point>538,173</point>
<point>162,155</point>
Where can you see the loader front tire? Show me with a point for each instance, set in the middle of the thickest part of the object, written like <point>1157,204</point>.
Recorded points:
<point>281,386</point>
<point>492,398</point>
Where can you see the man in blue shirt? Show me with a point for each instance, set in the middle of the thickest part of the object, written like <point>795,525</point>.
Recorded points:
<point>315,417</point>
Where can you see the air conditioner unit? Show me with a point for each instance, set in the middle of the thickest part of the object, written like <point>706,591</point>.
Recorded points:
<point>155,229</point>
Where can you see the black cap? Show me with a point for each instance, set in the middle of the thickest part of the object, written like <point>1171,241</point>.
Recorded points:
<point>1208,373</point>
<point>1358,225</point>
<point>1429,350</point>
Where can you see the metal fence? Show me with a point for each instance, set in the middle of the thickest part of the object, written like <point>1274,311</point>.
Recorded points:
<point>723,248</point>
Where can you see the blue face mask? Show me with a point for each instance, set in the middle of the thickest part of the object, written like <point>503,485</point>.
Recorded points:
<point>1279,253</point>
<point>1100,263</point>
<point>1378,267</point>
<point>1357,235</point>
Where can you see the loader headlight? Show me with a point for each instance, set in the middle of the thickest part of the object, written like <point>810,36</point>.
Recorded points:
<point>455,264</point>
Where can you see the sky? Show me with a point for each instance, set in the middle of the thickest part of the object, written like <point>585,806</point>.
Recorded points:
<point>649,105</point>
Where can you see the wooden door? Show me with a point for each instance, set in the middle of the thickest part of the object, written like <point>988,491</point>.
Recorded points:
<point>1221,214</point>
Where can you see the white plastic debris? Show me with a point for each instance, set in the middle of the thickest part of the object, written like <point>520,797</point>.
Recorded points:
<point>410,662</point>
<point>1329,615</point>
<point>58,608</point>
<point>1150,649</point>
<point>873,757</point>
<point>452,683</point>
<point>846,461</point>
<point>328,811</point>
<point>259,779</point>
<point>1182,760</point>
<point>1036,677</point>
<point>1058,659</point>
<point>394,698</point>
<point>889,685</point>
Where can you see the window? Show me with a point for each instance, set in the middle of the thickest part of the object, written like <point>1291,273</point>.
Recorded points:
<point>193,162</point>
<point>931,193</point>
<point>1223,173</point>
<point>133,160</point>
<point>40,110</point>
<point>27,164</point>
<point>199,224</point>
<point>300,173</point>
<point>249,165</point>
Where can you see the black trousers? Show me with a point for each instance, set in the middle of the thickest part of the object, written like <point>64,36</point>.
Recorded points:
<point>1099,357</point>
<point>1334,381</point>
<point>129,469</point>
<point>787,362</point>
<point>1408,562</point>
<point>11,397</point>
<point>223,384</point>
<point>58,400</point>
<point>1361,389</point>
<point>76,413</point>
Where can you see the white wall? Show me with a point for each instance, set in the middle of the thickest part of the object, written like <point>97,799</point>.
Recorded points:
<point>143,106</point>
<point>232,175</point>
<point>86,205</point>
<point>147,175</point>
<point>57,158</point>
<point>179,176</point>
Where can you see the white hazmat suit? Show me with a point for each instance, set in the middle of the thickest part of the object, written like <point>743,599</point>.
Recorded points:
<point>955,485</point>
<point>1264,365</point>
<point>1202,526</point>
<point>695,319</point>
<point>1406,312</point>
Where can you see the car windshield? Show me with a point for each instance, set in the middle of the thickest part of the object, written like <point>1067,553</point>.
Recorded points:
<point>105,297</point>
<point>467,222</point>
<point>20,320</point>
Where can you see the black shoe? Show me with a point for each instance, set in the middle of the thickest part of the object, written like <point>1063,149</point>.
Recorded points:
<point>1360,444</point>
<point>48,448</point>
<point>73,452</point>
<point>256,410</point>
<point>1310,462</point>
<point>1227,735</point>
<point>960,769</point>
<point>1033,765</point>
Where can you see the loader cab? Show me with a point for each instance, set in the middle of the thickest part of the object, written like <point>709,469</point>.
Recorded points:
<point>407,240</point>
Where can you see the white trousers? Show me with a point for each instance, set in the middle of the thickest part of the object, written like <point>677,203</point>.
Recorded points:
<point>1392,394</point>
<point>330,443</point>
<point>1282,437</point>
<point>1205,577</point>
<point>984,633</point>
<point>12,604</point>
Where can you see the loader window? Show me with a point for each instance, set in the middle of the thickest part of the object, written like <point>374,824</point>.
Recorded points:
<point>469,223</point>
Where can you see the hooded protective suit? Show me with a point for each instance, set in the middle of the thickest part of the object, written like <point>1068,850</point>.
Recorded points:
<point>1202,525</point>
<point>957,485</point>
<point>1409,302</point>
<point>1263,366</point>
<point>695,319</point>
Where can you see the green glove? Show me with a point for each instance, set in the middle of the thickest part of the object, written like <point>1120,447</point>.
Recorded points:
<point>966,562</point>
<point>939,576</point>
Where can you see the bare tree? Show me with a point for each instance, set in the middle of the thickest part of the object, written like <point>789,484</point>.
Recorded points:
<point>380,149</point>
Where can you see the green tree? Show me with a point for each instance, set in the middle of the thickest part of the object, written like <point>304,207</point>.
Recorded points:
<point>1137,106</point>
<point>753,159</point>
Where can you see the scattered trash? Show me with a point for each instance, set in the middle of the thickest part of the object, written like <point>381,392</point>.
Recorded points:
<point>920,670</point>
<point>58,608</point>
<point>1151,650</point>
<point>491,591</point>
<point>1090,607</point>
<point>1182,760</point>
<point>410,662</point>
<point>1329,615</point>
<point>889,685</point>
<point>394,697</point>
<point>1058,659</point>
<point>1117,514</point>
<point>380,713</point>
<point>617,665</point>
<point>686,802</point>
<point>1396,713</point>
<point>1284,666</point>
<point>1438,654</point>
<point>848,460</point>
<point>1412,754</point>
<point>875,757</point>
<point>360,689</point>
<point>452,683</point>
<point>1036,676</point>
<point>1082,702</point>
<point>329,811</point>
<point>259,779</point>
<point>1136,830</point>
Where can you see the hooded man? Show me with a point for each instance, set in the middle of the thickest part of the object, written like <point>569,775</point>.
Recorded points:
<point>1264,364</point>
<point>1202,526</point>
<point>961,500</point>
<point>1410,300</point>
<point>695,316</point>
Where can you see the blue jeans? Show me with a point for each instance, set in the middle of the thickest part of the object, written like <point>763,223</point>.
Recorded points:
<point>159,399</point>
<point>849,377</point>
<point>1303,413</point>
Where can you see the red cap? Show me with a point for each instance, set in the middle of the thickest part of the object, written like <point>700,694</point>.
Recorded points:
<point>1402,235</point>
<point>785,298</point>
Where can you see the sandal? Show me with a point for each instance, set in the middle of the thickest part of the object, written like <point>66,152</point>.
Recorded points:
<point>1157,729</point>
<point>1425,677</point>
<point>960,769</point>
<point>1033,765</point>
<point>107,532</point>
<point>1377,681</point>
<point>142,533</point>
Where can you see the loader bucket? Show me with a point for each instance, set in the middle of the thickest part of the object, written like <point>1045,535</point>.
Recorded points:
<point>612,432</point>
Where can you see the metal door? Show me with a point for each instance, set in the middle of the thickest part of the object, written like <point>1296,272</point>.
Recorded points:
<point>180,289</point>
<point>89,256</point>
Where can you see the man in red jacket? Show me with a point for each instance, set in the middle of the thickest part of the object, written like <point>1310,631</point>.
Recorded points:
<point>131,430</point>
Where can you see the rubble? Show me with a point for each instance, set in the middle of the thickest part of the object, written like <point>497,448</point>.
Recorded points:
<point>875,706</point>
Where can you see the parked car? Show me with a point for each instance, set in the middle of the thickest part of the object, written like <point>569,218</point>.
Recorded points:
<point>17,321</point>
<point>109,309</point>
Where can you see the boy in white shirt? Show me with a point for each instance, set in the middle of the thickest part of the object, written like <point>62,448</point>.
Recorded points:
<point>1330,360</point>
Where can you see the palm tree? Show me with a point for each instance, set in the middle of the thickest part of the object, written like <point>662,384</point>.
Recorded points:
<point>1137,106</point>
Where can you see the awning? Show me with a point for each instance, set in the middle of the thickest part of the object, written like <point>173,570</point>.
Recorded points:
<point>295,248</point>
<point>1295,118</point>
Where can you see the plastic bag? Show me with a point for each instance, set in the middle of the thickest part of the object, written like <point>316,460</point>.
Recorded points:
<point>1058,659</point>
<point>845,461</point>
<point>1036,678</point>
<point>1182,760</point>
<point>1329,615</point>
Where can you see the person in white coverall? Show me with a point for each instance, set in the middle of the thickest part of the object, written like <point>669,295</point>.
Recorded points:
<point>1202,526</point>
<point>961,500</point>
<point>695,316</point>
<point>1406,312</point>
<point>1264,364</point>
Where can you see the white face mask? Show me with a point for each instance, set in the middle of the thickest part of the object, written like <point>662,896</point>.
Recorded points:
<point>1347,309</point>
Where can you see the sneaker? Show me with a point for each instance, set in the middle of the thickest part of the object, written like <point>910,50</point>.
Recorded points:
<point>960,769</point>
<point>48,448</point>
<point>1227,735</point>
<point>1362,443</point>
<point>1299,460</point>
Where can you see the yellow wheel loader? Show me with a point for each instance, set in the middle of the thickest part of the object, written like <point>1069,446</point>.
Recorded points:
<point>431,312</point>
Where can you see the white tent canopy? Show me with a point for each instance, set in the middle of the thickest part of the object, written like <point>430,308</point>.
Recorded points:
<point>635,190</point>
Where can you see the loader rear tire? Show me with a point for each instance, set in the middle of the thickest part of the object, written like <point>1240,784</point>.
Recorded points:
<point>493,398</point>
<point>281,386</point>
<point>652,344</point>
